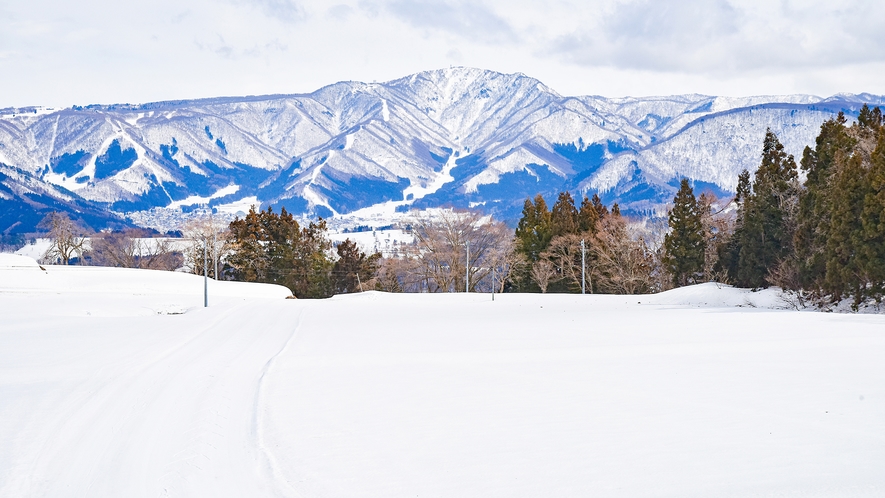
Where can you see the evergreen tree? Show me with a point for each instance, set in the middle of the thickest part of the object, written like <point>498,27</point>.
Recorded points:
<point>729,249</point>
<point>767,215</point>
<point>873,221</point>
<point>743,187</point>
<point>534,230</point>
<point>311,274</point>
<point>845,232</point>
<point>853,246</point>
<point>601,210</point>
<point>813,224</point>
<point>564,216</point>
<point>684,245</point>
<point>869,118</point>
<point>272,248</point>
<point>354,268</point>
<point>588,217</point>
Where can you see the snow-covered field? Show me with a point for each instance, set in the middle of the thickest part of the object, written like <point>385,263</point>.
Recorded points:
<point>119,383</point>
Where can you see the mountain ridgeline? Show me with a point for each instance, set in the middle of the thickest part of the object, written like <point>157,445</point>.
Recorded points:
<point>452,137</point>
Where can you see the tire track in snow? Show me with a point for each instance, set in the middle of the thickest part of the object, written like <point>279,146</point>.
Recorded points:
<point>271,467</point>
<point>175,418</point>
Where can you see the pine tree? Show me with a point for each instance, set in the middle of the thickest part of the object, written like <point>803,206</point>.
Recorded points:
<point>743,187</point>
<point>845,233</point>
<point>684,245</point>
<point>729,250</point>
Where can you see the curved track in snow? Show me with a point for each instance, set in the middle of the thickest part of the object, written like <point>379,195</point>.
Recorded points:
<point>157,406</point>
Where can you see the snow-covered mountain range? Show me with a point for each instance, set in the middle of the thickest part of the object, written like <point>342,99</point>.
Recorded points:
<point>459,136</point>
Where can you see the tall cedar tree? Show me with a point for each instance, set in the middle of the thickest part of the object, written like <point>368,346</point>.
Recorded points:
<point>601,210</point>
<point>813,225</point>
<point>845,232</point>
<point>564,223</point>
<point>840,239</point>
<point>853,247</point>
<point>534,231</point>
<point>874,217</point>
<point>728,251</point>
<point>684,245</point>
<point>588,216</point>
<point>564,215</point>
<point>766,219</point>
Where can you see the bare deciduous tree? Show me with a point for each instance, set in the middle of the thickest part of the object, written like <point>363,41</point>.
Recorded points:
<point>437,260</point>
<point>624,265</point>
<point>214,235</point>
<point>68,238</point>
<point>506,262</point>
<point>134,248</point>
<point>543,272</point>
<point>564,252</point>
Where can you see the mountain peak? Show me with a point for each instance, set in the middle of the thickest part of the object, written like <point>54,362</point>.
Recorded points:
<point>459,136</point>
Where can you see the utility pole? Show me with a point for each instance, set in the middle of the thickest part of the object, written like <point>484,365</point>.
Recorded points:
<point>467,271</point>
<point>583,267</point>
<point>493,282</point>
<point>205,272</point>
<point>215,249</point>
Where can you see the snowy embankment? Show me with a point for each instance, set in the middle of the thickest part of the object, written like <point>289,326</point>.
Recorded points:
<point>686,393</point>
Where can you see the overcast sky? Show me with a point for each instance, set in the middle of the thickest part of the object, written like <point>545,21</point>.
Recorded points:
<point>64,52</point>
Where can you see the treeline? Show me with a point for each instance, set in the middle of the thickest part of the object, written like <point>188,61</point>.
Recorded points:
<point>452,252</point>
<point>273,248</point>
<point>569,248</point>
<point>70,243</point>
<point>264,246</point>
<point>823,239</point>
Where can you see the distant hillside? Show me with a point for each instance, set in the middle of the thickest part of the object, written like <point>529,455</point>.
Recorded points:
<point>460,136</point>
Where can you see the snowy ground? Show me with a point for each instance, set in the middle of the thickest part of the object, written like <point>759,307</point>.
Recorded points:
<point>119,383</point>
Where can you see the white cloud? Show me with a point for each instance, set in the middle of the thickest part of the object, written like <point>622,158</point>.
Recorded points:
<point>468,20</point>
<point>283,10</point>
<point>60,53</point>
<point>726,37</point>
<point>340,11</point>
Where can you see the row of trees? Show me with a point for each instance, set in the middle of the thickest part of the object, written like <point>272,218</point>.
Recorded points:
<point>273,248</point>
<point>262,247</point>
<point>569,248</point>
<point>452,252</point>
<point>130,248</point>
<point>823,238</point>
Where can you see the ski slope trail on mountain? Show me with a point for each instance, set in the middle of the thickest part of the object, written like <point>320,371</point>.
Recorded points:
<point>119,383</point>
